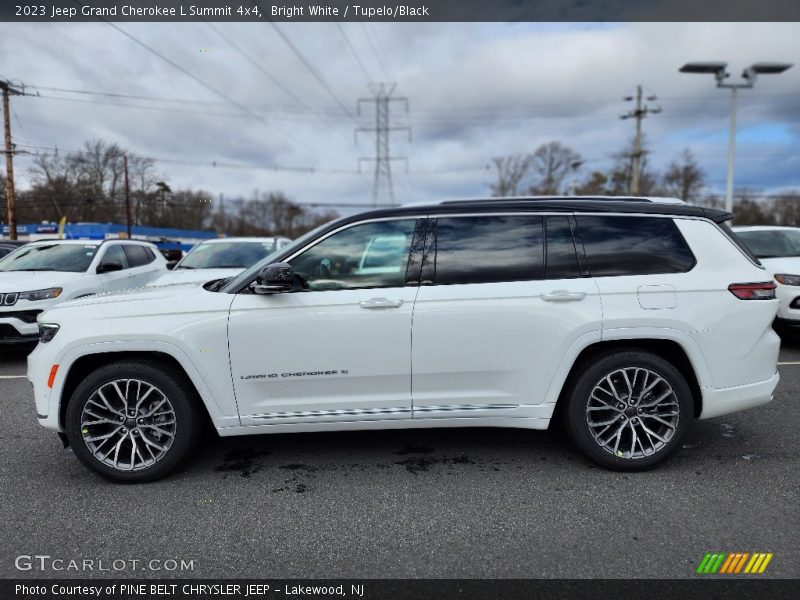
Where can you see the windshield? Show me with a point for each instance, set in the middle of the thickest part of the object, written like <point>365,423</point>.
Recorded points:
<point>226,255</point>
<point>772,243</point>
<point>73,258</point>
<point>287,250</point>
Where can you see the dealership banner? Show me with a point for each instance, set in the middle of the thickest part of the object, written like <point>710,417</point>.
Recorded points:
<point>398,589</point>
<point>399,11</point>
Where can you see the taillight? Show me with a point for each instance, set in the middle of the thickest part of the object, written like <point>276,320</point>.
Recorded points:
<point>764,290</point>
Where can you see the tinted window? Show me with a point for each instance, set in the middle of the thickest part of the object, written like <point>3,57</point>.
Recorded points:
<point>363,256</point>
<point>488,249</point>
<point>633,246</point>
<point>562,260</point>
<point>4,251</point>
<point>115,254</point>
<point>137,255</point>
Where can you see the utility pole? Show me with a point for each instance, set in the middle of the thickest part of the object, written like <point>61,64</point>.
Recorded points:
<point>638,113</point>
<point>382,98</point>
<point>9,152</point>
<point>127,197</point>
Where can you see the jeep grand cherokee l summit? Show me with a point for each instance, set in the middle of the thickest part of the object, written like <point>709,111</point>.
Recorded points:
<point>631,318</point>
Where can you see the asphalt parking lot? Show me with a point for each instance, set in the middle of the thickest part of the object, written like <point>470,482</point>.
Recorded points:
<point>433,503</point>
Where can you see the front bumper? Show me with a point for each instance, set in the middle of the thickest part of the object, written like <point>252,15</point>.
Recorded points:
<point>15,330</point>
<point>723,401</point>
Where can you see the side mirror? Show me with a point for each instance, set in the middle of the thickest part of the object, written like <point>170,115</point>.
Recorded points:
<point>171,265</point>
<point>108,267</point>
<point>274,279</point>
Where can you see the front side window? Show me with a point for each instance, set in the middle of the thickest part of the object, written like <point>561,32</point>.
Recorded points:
<point>73,258</point>
<point>622,245</point>
<point>487,250</point>
<point>370,255</point>
<point>116,254</point>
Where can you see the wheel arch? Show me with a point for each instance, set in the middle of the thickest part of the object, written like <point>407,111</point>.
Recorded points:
<point>670,350</point>
<point>88,360</point>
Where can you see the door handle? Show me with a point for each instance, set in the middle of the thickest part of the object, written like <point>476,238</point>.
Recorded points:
<point>380,303</point>
<point>563,296</point>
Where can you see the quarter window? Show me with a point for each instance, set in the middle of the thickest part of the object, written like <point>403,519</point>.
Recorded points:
<point>138,255</point>
<point>633,246</point>
<point>487,249</point>
<point>370,255</point>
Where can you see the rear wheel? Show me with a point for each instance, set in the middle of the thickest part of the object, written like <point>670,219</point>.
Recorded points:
<point>132,421</point>
<point>629,410</point>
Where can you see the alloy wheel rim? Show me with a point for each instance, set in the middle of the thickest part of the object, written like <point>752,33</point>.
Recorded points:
<point>128,424</point>
<point>632,413</point>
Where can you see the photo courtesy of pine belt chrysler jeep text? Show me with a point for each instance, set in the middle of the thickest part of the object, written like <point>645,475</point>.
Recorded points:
<point>626,318</point>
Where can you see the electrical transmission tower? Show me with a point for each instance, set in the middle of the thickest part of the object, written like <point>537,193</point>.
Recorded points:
<point>382,98</point>
<point>638,113</point>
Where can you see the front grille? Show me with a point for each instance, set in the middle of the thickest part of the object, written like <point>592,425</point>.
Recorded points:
<point>7,331</point>
<point>9,299</point>
<point>26,316</point>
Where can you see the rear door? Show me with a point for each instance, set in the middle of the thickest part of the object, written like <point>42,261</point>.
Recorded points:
<point>144,264</point>
<point>495,314</point>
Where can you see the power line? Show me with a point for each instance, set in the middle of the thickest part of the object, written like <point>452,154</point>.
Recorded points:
<point>312,70</point>
<point>375,51</point>
<point>353,51</point>
<point>257,65</point>
<point>201,82</point>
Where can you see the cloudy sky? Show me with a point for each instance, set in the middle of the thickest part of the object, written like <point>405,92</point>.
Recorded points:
<point>257,99</point>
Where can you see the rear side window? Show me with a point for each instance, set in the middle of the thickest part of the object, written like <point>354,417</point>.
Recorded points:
<point>138,255</point>
<point>633,246</point>
<point>562,259</point>
<point>488,249</point>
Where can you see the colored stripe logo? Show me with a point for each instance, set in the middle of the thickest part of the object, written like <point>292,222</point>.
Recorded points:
<point>734,562</point>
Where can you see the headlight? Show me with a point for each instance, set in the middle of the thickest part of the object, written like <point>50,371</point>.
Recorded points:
<point>41,294</point>
<point>47,331</point>
<point>787,279</point>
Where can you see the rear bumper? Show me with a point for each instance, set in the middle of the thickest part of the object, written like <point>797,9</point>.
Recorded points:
<point>723,401</point>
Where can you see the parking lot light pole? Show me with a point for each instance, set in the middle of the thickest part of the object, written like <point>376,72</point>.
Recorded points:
<point>719,71</point>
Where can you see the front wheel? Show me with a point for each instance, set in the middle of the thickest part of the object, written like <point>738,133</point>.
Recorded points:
<point>629,410</point>
<point>132,421</point>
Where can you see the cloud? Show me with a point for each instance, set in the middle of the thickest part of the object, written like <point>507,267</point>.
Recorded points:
<point>475,90</point>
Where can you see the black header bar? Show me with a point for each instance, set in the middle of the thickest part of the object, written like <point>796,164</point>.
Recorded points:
<point>399,10</point>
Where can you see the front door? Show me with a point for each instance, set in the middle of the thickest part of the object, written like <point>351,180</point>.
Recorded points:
<point>339,349</point>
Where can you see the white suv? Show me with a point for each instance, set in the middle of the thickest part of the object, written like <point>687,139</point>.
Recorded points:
<point>630,318</point>
<point>778,249</point>
<point>40,274</point>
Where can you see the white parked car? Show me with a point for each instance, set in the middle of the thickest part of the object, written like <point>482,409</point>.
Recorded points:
<point>778,249</point>
<point>40,274</point>
<point>630,318</point>
<point>219,258</point>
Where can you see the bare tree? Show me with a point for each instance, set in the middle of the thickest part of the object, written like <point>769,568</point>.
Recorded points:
<point>511,170</point>
<point>551,163</point>
<point>684,178</point>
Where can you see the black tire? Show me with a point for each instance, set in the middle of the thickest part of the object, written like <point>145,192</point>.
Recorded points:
<point>185,430</point>
<point>637,420</point>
